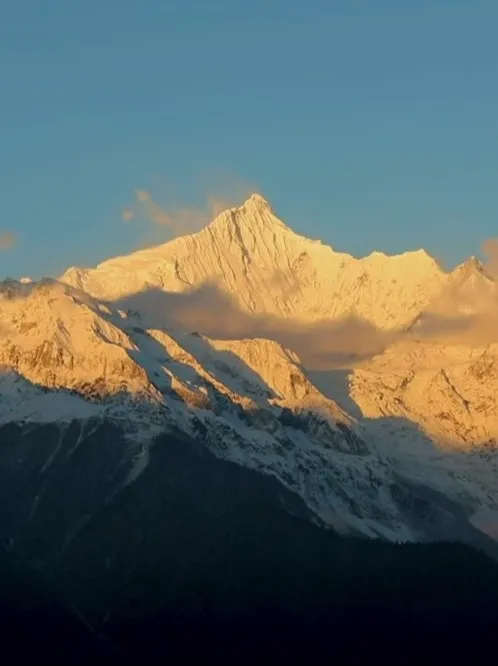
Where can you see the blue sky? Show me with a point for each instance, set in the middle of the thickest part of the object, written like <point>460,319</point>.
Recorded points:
<point>372,124</point>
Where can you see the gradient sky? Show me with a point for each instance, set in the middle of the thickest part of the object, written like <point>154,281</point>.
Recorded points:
<point>372,124</point>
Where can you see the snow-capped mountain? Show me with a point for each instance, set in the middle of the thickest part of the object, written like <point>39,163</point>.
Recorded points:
<point>398,442</point>
<point>269,269</point>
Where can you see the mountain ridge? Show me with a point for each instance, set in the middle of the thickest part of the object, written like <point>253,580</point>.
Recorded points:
<point>289,275</point>
<point>410,423</point>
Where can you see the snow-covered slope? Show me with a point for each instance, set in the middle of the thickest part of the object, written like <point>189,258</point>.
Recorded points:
<point>64,355</point>
<point>449,391</point>
<point>67,356</point>
<point>401,444</point>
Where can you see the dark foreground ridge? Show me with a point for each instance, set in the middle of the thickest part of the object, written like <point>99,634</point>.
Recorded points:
<point>201,561</point>
<point>426,604</point>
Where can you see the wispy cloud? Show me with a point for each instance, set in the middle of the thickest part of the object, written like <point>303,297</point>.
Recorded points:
<point>179,220</point>
<point>7,240</point>
<point>212,312</point>
<point>322,345</point>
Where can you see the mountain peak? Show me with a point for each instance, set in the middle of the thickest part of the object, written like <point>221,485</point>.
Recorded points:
<point>471,266</point>
<point>268,268</point>
<point>473,263</point>
<point>257,201</point>
<point>255,204</point>
<point>255,212</point>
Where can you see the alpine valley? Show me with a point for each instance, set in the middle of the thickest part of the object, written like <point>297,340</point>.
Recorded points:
<point>249,368</point>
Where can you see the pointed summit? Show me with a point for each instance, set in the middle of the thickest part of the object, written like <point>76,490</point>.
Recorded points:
<point>468,290</point>
<point>470,268</point>
<point>253,204</point>
<point>255,212</point>
<point>258,206</point>
<point>258,202</point>
<point>473,264</point>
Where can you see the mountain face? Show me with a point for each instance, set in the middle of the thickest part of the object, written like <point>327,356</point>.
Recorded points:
<point>267,268</point>
<point>198,553</point>
<point>103,365</point>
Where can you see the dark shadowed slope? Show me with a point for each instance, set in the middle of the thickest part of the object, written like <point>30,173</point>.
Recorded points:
<point>202,561</point>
